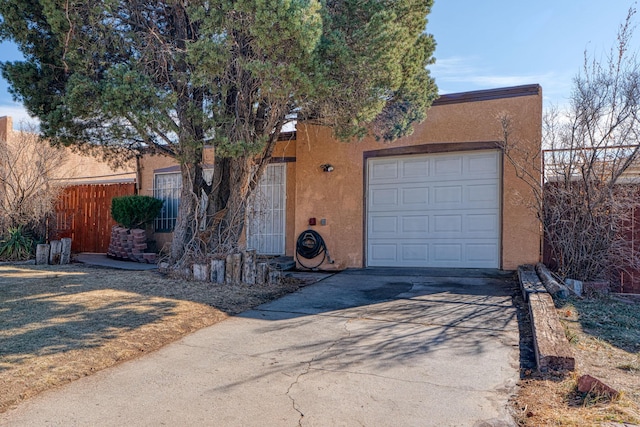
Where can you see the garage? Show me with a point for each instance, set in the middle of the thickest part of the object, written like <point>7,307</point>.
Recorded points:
<point>434,210</point>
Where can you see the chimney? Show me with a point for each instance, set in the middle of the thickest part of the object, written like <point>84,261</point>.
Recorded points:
<point>6,127</point>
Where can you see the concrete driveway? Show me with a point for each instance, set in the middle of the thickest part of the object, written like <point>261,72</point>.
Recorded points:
<point>378,347</point>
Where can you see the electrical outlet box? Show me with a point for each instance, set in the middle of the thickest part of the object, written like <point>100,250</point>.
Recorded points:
<point>323,221</point>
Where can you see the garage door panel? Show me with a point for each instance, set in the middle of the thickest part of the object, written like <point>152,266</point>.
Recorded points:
<point>481,252</point>
<point>416,168</point>
<point>482,193</point>
<point>482,224</point>
<point>415,224</point>
<point>382,253</point>
<point>385,226</point>
<point>415,196</point>
<point>384,197</point>
<point>447,195</point>
<point>451,224</point>
<point>483,165</point>
<point>447,166</point>
<point>447,224</point>
<point>383,172</point>
<point>447,253</point>
<point>381,225</point>
<point>415,253</point>
<point>401,197</point>
<point>436,253</point>
<point>446,209</point>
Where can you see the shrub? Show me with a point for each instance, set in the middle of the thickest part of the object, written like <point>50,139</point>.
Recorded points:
<point>135,211</point>
<point>30,173</point>
<point>16,245</point>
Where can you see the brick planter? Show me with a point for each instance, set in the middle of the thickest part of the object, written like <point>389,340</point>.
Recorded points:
<point>130,244</point>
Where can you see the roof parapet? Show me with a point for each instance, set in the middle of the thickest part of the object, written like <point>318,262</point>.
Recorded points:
<point>488,94</point>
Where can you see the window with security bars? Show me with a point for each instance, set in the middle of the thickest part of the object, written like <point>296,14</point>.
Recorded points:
<point>166,187</point>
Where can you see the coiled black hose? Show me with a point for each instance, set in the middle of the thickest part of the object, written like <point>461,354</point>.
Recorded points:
<point>311,245</point>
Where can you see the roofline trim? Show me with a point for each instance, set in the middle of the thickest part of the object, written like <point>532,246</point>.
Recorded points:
<point>488,94</point>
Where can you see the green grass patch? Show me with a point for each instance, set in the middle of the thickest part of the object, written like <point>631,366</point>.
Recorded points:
<point>611,320</point>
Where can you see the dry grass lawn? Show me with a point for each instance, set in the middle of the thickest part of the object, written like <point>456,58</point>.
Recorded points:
<point>60,323</point>
<point>604,333</point>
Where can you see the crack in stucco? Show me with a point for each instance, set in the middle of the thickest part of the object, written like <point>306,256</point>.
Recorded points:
<point>308,369</point>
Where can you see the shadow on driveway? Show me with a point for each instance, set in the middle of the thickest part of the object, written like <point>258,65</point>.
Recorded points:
<point>392,316</point>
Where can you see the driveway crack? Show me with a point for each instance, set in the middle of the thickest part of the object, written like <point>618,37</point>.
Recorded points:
<point>308,368</point>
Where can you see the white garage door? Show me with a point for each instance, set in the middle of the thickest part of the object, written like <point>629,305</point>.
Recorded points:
<point>437,210</point>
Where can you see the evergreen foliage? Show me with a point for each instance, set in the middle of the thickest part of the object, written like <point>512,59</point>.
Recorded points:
<point>168,76</point>
<point>135,211</point>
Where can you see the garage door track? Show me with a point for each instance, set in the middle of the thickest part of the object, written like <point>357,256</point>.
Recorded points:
<point>378,347</point>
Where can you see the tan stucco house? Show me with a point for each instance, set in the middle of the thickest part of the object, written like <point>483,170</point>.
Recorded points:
<point>89,184</point>
<point>78,168</point>
<point>446,196</point>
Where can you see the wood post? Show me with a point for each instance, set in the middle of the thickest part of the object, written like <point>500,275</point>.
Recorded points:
<point>275,277</point>
<point>42,254</point>
<point>552,349</point>
<point>217,271</point>
<point>228,270</point>
<point>233,269</point>
<point>55,252</point>
<point>237,268</point>
<point>550,343</point>
<point>262,269</point>
<point>201,272</point>
<point>65,257</point>
<point>529,281</point>
<point>553,287</point>
<point>249,267</point>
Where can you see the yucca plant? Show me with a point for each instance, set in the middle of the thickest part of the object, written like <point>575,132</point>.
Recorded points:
<point>16,245</point>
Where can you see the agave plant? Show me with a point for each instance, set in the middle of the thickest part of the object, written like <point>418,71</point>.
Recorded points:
<point>16,245</point>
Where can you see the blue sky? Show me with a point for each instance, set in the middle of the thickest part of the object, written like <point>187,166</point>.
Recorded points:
<point>494,43</point>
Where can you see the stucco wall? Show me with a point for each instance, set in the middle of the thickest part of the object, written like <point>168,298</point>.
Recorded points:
<point>78,168</point>
<point>338,196</point>
<point>149,164</point>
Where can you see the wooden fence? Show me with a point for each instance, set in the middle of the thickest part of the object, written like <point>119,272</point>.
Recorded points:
<point>629,280</point>
<point>83,212</point>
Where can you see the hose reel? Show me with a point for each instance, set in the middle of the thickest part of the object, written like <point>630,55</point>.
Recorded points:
<point>311,245</point>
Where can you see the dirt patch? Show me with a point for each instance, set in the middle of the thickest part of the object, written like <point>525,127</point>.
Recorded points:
<point>60,323</point>
<point>604,333</point>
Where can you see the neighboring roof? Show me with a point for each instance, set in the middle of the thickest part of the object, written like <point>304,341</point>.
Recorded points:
<point>101,181</point>
<point>489,94</point>
<point>176,168</point>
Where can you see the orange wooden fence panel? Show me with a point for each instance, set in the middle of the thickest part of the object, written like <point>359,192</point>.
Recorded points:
<point>83,212</point>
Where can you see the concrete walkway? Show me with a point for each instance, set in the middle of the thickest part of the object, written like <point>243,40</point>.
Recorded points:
<point>358,348</point>
<point>102,260</point>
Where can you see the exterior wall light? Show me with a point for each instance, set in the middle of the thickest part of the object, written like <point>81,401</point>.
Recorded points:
<point>327,167</point>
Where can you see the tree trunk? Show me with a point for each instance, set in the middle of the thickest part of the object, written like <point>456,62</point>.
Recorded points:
<point>234,179</point>
<point>226,209</point>
<point>228,203</point>
<point>184,229</point>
